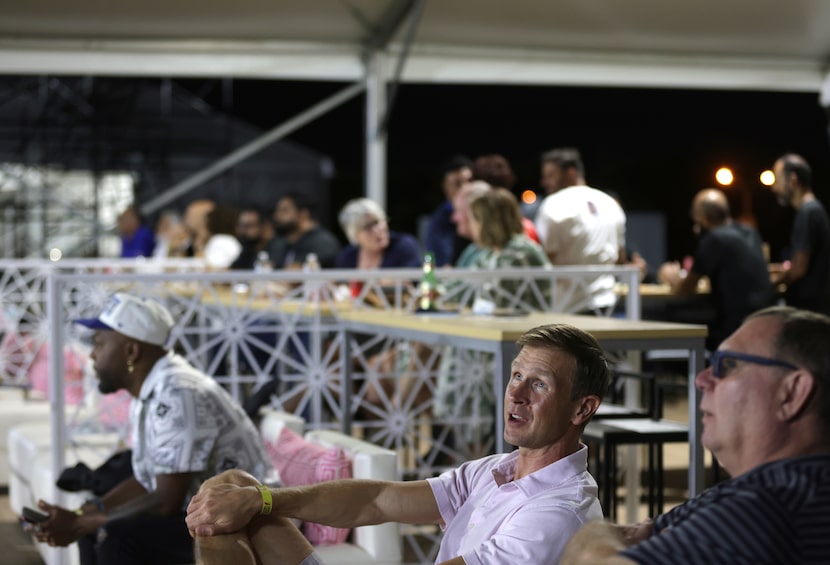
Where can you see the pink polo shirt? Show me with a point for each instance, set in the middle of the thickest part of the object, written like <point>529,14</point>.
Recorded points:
<point>491,519</point>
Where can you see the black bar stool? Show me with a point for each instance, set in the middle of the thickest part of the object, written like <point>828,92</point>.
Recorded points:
<point>613,433</point>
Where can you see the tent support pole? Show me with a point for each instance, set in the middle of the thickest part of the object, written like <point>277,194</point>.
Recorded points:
<point>375,136</point>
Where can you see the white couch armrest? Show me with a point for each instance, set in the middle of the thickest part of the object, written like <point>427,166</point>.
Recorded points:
<point>273,421</point>
<point>382,543</point>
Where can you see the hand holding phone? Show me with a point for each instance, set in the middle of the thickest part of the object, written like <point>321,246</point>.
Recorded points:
<point>34,516</point>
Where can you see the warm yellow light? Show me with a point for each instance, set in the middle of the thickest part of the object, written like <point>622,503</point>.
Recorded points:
<point>724,176</point>
<point>55,254</point>
<point>768,178</point>
<point>528,197</point>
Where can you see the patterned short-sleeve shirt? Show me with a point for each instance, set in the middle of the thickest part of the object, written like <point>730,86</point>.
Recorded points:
<point>185,422</point>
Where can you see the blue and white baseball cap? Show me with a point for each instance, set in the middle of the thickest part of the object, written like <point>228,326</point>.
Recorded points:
<point>142,319</point>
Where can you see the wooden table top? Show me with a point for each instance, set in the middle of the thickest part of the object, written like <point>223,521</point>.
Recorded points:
<point>509,328</point>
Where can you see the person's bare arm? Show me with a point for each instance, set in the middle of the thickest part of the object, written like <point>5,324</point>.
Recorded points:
<point>127,499</point>
<point>680,282</point>
<point>600,542</point>
<point>797,270</point>
<point>639,261</point>
<point>227,507</point>
<point>123,492</point>
<point>167,499</point>
<point>622,256</point>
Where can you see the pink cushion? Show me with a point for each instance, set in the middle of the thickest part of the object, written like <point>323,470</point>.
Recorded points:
<point>300,462</point>
<point>73,369</point>
<point>114,410</point>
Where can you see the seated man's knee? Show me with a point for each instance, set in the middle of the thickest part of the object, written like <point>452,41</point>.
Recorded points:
<point>279,540</point>
<point>219,550</point>
<point>232,476</point>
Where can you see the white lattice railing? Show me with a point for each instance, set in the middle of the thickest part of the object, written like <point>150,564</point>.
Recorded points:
<point>433,406</point>
<point>244,328</point>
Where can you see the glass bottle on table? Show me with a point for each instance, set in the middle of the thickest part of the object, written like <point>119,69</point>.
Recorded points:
<point>429,285</point>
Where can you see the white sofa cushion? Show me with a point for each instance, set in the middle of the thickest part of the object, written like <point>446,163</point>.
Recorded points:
<point>14,410</point>
<point>381,542</point>
<point>273,421</point>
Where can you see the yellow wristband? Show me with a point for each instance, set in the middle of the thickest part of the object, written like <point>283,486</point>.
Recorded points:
<point>267,501</point>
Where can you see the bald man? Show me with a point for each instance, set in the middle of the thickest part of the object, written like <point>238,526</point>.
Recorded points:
<point>730,254</point>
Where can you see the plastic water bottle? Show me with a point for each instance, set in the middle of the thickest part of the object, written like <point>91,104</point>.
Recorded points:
<point>311,287</point>
<point>262,264</point>
<point>311,263</point>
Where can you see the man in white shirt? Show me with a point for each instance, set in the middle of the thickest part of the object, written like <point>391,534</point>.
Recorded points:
<point>579,225</point>
<point>185,429</point>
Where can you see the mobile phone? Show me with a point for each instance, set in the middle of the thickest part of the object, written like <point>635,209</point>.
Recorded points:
<point>34,516</point>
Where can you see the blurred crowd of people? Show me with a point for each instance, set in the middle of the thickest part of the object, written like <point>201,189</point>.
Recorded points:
<point>480,223</point>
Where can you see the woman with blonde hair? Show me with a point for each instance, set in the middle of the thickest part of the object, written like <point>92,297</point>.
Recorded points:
<point>496,227</point>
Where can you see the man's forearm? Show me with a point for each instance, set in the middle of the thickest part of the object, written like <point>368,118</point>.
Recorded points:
<point>143,503</point>
<point>130,498</point>
<point>350,503</point>
<point>147,503</point>
<point>597,542</point>
<point>123,492</point>
<point>229,502</point>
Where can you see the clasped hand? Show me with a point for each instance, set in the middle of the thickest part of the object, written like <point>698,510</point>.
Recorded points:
<point>221,509</point>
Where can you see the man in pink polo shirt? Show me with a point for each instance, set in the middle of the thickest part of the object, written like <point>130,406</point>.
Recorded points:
<point>519,507</point>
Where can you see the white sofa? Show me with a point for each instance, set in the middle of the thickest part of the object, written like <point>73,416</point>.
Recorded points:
<point>15,409</point>
<point>31,478</point>
<point>380,544</point>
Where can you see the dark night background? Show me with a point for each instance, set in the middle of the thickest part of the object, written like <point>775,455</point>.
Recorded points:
<point>656,148</point>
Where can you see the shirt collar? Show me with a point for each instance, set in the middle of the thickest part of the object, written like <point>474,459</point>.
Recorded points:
<point>154,376</point>
<point>551,475</point>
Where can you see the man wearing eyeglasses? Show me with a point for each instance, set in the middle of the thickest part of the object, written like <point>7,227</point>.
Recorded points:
<point>766,417</point>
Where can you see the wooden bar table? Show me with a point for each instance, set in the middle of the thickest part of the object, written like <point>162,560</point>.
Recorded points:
<point>498,334</point>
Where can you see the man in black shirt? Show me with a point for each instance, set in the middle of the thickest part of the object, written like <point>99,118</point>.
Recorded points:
<point>441,237</point>
<point>730,254</point>
<point>808,275</point>
<point>253,233</point>
<point>299,234</point>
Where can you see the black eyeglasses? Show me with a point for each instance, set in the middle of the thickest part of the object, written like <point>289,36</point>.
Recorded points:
<point>372,224</point>
<point>721,365</point>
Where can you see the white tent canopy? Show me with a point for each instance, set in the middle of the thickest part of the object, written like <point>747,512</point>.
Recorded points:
<point>725,44</point>
<point>707,43</point>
